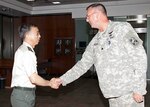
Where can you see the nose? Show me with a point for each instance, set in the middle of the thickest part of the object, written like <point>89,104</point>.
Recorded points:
<point>87,20</point>
<point>39,36</point>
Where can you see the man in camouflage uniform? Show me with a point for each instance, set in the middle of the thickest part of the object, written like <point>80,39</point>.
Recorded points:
<point>119,58</point>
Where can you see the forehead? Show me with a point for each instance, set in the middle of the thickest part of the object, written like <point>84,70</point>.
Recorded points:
<point>90,10</point>
<point>34,28</point>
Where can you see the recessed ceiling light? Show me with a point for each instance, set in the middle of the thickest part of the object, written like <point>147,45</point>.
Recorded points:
<point>30,0</point>
<point>56,2</point>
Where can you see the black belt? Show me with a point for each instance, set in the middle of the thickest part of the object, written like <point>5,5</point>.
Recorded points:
<point>25,88</point>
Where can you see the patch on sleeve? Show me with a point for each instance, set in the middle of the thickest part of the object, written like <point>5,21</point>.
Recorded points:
<point>134,41</point>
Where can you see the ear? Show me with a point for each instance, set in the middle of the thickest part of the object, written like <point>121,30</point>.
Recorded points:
<point>27,35</point>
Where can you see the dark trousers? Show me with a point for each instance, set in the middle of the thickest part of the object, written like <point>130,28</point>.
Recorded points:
<point>22,98</point>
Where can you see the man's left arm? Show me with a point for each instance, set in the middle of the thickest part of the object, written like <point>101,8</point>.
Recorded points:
<point>138,56</point>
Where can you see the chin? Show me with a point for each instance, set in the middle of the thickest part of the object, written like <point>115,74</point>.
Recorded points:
<point>93,27</point>
<point>36,43</point>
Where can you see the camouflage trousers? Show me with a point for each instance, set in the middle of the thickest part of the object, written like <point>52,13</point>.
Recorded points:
<point>125,101</point>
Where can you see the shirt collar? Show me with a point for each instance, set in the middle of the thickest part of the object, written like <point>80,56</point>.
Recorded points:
<point>109,24</point>
<point>106,30</point>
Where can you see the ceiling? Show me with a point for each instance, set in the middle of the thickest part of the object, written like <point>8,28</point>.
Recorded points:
<point>37,3</point>
<point>11,12</point>
<point>26,7</point>
<point>63,2</point>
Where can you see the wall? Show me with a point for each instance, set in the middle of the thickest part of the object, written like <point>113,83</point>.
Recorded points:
<point>81,34</point>
<point>148,45</point>
<point>6,37</point>
<point>1,36</point>
<point>7,40</point>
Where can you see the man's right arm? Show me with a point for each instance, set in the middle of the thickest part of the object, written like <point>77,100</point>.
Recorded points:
<point>38,80</point>
<point>81,66</point>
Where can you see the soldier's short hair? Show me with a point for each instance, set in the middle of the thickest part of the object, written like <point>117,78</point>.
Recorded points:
<point>100,6</point>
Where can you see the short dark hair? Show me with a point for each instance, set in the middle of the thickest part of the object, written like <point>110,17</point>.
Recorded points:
<point>24,28</point>
<point>98,5</point>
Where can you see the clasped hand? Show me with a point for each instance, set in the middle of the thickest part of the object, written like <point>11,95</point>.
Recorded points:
<point>55,83</point>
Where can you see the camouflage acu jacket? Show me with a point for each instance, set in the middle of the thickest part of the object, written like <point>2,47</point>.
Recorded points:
<point>119,58</point>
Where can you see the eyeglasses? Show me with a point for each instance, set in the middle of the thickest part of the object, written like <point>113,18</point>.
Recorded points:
<point>87,16</point>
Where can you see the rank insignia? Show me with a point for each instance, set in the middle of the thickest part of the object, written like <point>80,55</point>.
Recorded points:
<point>30,49</point>
<point>110,34</point>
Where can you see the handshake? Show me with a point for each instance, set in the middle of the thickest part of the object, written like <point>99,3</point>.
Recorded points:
<point>55,83</point>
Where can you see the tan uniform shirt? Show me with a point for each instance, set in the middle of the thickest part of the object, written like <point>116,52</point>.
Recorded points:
<point>25,64</point>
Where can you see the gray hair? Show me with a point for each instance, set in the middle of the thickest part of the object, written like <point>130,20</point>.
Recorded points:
<point>23,29</point>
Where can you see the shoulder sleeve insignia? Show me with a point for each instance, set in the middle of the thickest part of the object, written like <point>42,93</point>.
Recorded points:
<point>134,41</point>
<point>132,38</point>
<point>30,49</point>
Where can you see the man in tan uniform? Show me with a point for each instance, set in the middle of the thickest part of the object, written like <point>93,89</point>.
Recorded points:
<point>24,75</point>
